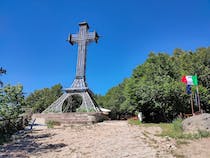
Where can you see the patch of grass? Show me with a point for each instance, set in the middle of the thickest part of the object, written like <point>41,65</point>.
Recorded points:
<point>52,123</point>
<point>177,125</point>
<point>181,142</point>
<point>168,130</point>
<point>203,134</point>
<point>173,130</point>
<point>198,135</point>
<point>150,124</point>
<point>82,109</point>
<point>179,156</point>
<point>134,122</point>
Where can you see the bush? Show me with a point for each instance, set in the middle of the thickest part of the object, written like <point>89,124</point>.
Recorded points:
<point>203,134</point>
<point>10,126</point>
<point>177,125</point>
<point>52,123</point>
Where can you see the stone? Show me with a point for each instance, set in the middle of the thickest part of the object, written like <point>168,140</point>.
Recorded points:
<point>195,123</point>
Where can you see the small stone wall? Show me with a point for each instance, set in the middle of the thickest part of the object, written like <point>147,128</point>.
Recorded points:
<point>71,118</point>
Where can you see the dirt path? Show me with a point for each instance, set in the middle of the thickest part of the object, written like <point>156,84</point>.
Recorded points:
<point>112,139</point>
<point>194,149</point>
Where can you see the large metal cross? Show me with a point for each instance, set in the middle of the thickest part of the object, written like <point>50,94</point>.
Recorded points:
<point>82,39</point>
<point>79,85</point>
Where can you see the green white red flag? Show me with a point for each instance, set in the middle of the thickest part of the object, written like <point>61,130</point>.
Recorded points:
<point>190,80</point>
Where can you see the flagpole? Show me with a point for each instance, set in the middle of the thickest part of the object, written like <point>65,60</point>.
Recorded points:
<point>199,103</point>
<point>191,99</point>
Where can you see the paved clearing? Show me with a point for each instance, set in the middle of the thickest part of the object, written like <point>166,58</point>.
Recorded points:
<point>115,139</point>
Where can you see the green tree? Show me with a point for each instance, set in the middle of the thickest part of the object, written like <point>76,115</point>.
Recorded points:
<point>39,100</point>
<point>155,89</point>
<point>158,90</point>
<point>152,86</point>
<point>2,71</point>
<point>11,101</point>
<point>115,100</point>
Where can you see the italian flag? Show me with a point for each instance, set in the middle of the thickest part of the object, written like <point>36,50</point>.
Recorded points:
<point>190,80</point>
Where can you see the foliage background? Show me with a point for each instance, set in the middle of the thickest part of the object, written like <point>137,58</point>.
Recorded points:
<point>39,100</point>
<point>155,87</point>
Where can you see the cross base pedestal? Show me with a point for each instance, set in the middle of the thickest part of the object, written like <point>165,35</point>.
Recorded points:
<point>79,87</point>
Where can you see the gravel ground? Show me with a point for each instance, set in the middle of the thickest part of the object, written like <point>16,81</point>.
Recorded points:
<point>111,139</point>
<point>194,149</point>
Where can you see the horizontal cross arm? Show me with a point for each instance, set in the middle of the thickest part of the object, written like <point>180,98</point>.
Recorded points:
<point>92,36</point>
<point>73,38</point>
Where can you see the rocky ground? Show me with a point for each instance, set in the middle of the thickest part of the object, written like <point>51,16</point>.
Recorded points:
<point>116,139</point>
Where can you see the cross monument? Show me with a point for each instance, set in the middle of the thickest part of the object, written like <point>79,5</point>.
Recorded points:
<point>79,85</point>
<point>83,38</point>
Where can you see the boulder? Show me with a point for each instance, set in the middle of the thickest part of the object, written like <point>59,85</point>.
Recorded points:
<point>197,122</point>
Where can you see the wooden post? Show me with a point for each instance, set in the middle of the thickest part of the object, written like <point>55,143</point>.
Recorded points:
<point>191,100</point>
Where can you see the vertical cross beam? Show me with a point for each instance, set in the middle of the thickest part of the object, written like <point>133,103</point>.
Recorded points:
<point>83,38</point>
<point>79,86</point>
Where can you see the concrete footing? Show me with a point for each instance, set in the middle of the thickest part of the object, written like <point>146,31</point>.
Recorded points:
<point>71,118</point>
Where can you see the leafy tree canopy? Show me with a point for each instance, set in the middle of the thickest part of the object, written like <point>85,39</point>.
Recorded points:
<point>39,100</point>
<point>155,89</point>
<point>11,101</point>
<point>2,71</point>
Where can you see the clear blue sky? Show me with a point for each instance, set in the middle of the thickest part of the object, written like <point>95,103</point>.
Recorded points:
<point>33,33</point>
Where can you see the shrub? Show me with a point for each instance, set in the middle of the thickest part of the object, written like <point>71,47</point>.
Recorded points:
<point>52,123</point>
<point>177,125</point>
<point>203,134</point>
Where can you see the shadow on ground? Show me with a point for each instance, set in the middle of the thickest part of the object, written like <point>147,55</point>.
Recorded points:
<point>27,145</point>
